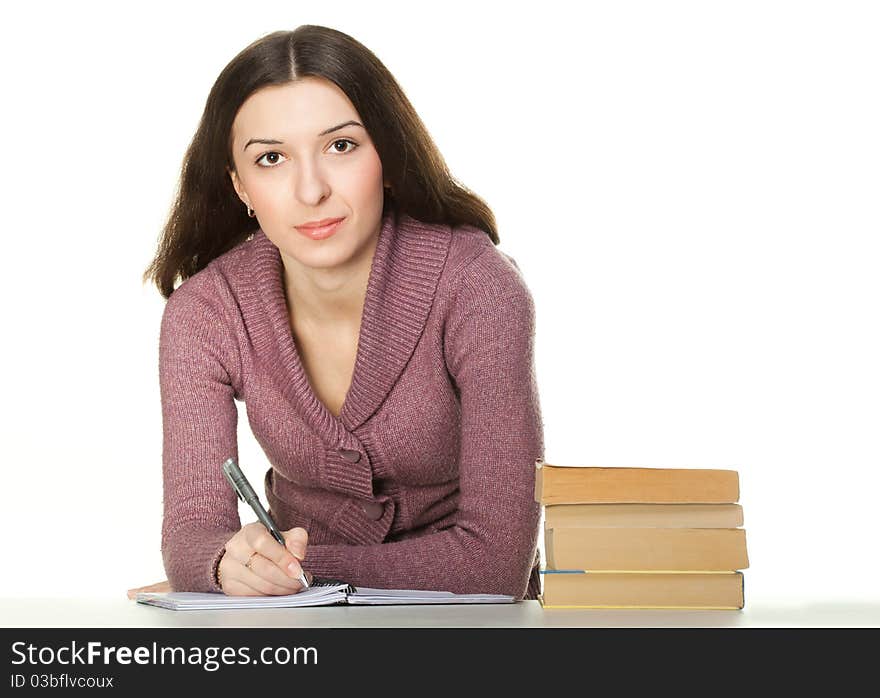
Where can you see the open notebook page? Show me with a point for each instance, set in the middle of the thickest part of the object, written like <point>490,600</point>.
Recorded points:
<point>316,595</point>
<point>366,595</point>
<point>324,593</point>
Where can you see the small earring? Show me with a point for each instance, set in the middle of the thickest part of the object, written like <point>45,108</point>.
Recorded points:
<point>250,212</point>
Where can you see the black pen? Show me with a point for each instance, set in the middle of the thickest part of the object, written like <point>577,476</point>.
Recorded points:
<point>246,493</point>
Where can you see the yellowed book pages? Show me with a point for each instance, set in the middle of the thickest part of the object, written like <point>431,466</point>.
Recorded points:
<point>587,484</point>
<point>703,590</point>
<point>617,549</point>
<point>644,515</point>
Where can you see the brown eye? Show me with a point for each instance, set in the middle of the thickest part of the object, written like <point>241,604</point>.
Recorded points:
<point>344,140</point>
<point>269,155</point>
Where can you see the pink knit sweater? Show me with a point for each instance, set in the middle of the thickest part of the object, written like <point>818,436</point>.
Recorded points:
<point>425,480</point>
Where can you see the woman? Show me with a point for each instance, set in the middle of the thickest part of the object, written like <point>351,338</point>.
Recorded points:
<point>339,282</point>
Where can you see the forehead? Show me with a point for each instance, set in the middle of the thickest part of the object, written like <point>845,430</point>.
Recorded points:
<point>300,109</point>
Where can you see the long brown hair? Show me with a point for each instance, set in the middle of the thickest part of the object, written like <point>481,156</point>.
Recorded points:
<point>207,218</point>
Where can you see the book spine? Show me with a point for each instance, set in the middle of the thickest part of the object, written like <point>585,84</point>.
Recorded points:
<point>646,548</point>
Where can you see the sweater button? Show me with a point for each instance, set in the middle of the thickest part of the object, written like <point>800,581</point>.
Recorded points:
<point>350,455</point>
<point>373,510</point>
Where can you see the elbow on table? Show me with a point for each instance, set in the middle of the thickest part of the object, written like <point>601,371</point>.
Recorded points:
<point>189,553</point>
<point>500,557</point>
<point>498,570</point>
<point>507,579</point>
<point>183,568</point>
<point>175,569</point>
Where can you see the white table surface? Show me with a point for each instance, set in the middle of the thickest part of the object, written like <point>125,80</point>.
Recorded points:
<point>122,612</point>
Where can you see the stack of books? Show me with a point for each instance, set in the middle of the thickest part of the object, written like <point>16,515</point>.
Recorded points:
<point>641,537</point>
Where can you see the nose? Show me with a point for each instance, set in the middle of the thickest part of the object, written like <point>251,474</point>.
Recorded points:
<point>310,184</point>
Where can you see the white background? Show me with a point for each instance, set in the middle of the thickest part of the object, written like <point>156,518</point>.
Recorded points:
<point>690,189</point>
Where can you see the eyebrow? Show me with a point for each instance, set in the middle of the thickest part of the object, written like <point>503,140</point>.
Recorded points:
<point>273,141</point>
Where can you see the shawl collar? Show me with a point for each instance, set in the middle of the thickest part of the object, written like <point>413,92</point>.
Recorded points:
<point>403,280</point>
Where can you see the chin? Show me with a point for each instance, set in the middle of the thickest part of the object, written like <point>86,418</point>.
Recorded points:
<point>327,256</point>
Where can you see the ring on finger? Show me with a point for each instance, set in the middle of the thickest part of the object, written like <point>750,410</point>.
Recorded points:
<point>251,559</point>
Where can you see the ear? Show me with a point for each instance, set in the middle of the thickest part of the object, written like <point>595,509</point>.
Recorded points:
<point>237,186</point>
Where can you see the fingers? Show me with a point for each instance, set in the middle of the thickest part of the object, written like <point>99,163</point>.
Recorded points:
<point>284,559</point>
<point>297,539</point>
<point>240,588</point>
<point>235,587</point>
<point>260,578</point>
<point>265,575</point>
<point>272,571</point>
<point>162,586</point>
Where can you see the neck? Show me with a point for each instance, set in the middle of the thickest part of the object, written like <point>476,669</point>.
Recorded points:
<point>324,297</point>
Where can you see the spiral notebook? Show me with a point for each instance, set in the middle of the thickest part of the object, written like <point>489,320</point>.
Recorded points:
<point>321,593</point>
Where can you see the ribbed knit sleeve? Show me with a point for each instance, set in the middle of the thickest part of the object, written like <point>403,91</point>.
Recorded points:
<point>199,419</point>
<point>489,353</point>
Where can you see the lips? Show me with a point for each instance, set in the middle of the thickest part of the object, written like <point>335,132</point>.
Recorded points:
<point>318,230</point>
<point>319,224</point>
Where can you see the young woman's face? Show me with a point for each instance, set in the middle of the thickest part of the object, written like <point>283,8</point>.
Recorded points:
<point>315,168</point>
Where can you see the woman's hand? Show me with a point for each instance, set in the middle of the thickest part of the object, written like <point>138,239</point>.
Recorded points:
<point>255,564</point>
<point>158,587</point>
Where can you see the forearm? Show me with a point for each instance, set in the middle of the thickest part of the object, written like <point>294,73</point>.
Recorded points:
<point>464,559</point>
<point>190,554</point>
<point>197,361</point>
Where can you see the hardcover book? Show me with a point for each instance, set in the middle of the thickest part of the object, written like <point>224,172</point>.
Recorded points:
<point>694,549</point>
<point>694,590</point>
<point>584,484</point>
